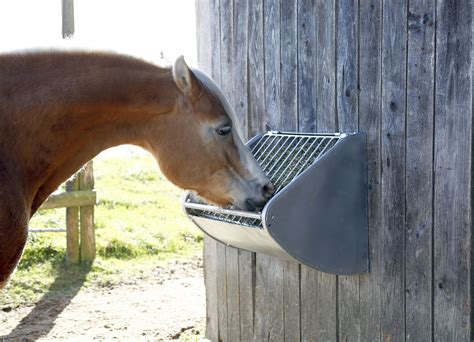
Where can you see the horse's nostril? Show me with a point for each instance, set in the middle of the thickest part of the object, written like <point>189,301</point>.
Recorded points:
<point>268,190</point>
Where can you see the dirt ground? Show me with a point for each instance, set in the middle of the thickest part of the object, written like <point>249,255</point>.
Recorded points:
<point>168,304</point>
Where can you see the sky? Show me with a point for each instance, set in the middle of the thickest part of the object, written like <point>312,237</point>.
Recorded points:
<point>149,29</point>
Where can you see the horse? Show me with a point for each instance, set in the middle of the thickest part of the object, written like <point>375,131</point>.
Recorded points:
<point>60,109</point>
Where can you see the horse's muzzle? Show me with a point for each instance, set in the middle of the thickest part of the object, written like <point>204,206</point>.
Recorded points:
<point>265,192</point>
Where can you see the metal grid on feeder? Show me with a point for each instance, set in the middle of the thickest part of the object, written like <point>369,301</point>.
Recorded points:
<point>283,157</point>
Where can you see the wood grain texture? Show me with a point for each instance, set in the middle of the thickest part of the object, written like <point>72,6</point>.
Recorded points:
<point>246,293</point>
<point>86,182</point>
<point>256,93</point>
<point>70,199</point>
<point>307,103</point>
<point>326,284</point>
<point>233,294</point>
<point>228,86</point>
<point>393,169</point>
<point>289,66</point>
<point>204,20</point>
<point>72,226</point>
<point>401,72</point>
<point>306,76</point>
<point>325,66</point>
<point>210,279</point>
<point>289,122</point>
<point>292,301</point>
<point>221,256</point>
<point>220,271</point>
<point>370,39</point>
<point>419,170</point>
<point>261,323</point>
<point>308,302</point>
<point>269,271</point>
<point>347,73</point>
<point>256,98</point>
<point>348,121</point>
<point>256,71</point>
<point>246,260</point>
<point>271,41</point>
<point>203,35</point>
<point>453,167</point>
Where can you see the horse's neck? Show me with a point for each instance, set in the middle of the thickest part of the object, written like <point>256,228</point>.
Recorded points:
<point>65,113</point>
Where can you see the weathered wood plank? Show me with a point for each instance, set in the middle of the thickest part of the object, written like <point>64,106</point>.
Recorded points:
<point>68,199</point>
<point>326,65</point>
<point>246,259</point>
<point>453,167</point>
<point>227,49</point>
<point>347,65</point>
<point>256,73</point>
<point>205,21</point>
<point>246,293</point>
<point>261,324</point>
<point>289,66</point>
<point>222,292</point>
<point>306,76</point>
<point>393,168</point>
<point>72,226</point>
<point>228,87</point>
<point>220,248</point>
<point>233,294</point>
<point>272,64</point>
<point>308,301</point>
<point>370,38</point>
<point>289,122</point>
<point>325,307</point>
<point>275,314</point>
<point>419,170</point>
<point>322,298</point>
<point>210,279</point>
<point>203,35</point>
<point>256,80</point>
<point>269,271</point>
<point>214,9</point>
<point>239,62</point>
<point>291,301</point>
<point>86,182</point>
<point>307,101</point>
<point>348,121</point>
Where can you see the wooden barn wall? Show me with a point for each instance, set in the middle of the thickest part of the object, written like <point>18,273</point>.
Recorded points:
<point>400,71</point>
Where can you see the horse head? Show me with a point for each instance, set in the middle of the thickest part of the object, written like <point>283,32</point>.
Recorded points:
<point>200,148</point>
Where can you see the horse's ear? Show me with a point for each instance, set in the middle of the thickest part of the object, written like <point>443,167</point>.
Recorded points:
<point>185,79</point>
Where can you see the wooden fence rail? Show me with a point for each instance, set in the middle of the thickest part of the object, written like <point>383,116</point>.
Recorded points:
<point>79,201</point>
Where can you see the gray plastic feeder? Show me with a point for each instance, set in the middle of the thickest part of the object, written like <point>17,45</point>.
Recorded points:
<point>318,215</point>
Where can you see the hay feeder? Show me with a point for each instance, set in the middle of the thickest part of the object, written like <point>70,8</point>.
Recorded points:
<point>318,215</point>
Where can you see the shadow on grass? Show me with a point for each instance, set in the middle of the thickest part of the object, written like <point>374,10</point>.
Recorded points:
<point>40,320</point>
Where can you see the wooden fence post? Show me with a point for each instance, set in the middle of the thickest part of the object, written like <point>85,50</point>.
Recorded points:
<point>86,182</point>
<point>72,226</point>
<point>79,201</point>
<point>68,18</point>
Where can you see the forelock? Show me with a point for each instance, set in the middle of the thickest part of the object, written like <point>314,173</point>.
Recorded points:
<point>213,89</point>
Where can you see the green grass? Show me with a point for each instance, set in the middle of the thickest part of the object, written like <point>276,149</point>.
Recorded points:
<point>139,224</point>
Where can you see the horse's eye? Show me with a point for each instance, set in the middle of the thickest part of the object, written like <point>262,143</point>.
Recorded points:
<point>224,130</point>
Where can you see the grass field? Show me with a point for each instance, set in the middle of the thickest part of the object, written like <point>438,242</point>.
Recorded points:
<point>139,224</point>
